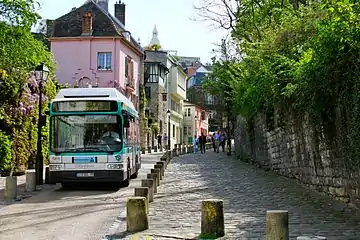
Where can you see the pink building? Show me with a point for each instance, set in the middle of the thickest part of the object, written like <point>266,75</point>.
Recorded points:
<point>195,121</point>
<point>92,48</point>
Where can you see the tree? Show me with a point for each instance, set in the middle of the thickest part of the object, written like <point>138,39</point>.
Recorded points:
<point>298,57</point>
<point>20,53</point>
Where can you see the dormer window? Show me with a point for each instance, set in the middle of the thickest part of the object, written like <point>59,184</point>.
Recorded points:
<point>87,24</point>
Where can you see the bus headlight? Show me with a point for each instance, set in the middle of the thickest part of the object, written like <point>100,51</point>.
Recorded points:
<point>114,166</point>
<point>55,167</point>
<point>55,159</point>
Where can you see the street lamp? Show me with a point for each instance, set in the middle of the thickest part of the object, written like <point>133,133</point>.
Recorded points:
<point>168,113</point>
<point>195,125</point>
<point>41,74</point>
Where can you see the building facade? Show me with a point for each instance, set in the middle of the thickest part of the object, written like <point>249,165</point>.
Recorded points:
<point>169,90</point>
<point>195,121</point>
<point>155,78</point>
<point>177,94</point>
<point>92,48</point>
<point>198,96</point>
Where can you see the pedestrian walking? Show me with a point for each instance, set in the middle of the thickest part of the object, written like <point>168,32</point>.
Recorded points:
<point>217,141</point>
<point>213,141</point>
<point>202,142</point>
<point>166,141</point>
<point>222,141</point>
<point>195,143</point>
<point>159,138</point>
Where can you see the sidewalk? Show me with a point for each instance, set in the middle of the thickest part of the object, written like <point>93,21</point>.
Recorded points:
<point>247,193</point>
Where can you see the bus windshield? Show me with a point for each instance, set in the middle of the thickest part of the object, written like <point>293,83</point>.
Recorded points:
<point>86,133</point>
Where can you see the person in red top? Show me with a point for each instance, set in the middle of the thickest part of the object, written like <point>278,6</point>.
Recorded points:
<point>202,142</point>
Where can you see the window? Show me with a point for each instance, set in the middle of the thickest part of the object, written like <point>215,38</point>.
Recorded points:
<point>187,131</point>
<point>187,112</point>
<point>148,92</point>
<point>164,97</point>
<point>211,115</point>
<point>129,70</point>
<point>175,106</point>
<point>104,61</point>
<point>126,67</point>
<point>203,115</point>
<point>173,128</point>
<point>86,133</point>
<point>153,71</point>
<point>210,99</point>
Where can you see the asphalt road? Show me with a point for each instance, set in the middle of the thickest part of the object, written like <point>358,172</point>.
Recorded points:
<point>77,214</point>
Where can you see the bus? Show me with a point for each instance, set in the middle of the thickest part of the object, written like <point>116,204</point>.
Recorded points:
<point>94,137</point>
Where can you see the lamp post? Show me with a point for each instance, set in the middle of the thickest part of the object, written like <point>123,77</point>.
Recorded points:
<point>41,75</point>
<point>169,125</point>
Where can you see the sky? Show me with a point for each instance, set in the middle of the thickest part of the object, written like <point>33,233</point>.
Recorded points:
<point>173,19</point>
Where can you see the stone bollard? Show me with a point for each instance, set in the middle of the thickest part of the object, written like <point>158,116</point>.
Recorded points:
<point>184,149</point>
<point>212,218</point>
<point>143,192</point>
<point>158,172</point>
<point>149,149</point>
<point>30,184</point>
<point>143,151</point>
<point>161,168</point>
<point>155,149</point>
<point>153,177</point>
<point>164,160</point>
<point>162,163</point>
<point>136,215</point>
<point>149,183</point>
<point>10,188</point>
<point>277,225</point>
<point>311,238</point>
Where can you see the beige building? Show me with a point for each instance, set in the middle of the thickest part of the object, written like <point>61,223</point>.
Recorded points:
<point>177,94</point>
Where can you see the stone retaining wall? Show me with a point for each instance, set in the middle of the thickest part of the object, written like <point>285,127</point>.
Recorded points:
<point>295,150</point>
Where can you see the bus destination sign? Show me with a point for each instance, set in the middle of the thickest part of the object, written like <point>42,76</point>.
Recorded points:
<point>85,106</point>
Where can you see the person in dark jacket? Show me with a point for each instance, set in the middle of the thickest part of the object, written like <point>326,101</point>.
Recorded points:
<point>202,142</point>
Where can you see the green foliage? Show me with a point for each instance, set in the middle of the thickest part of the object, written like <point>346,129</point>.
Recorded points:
<point>155,128</point>
<point>299,59</point>
<point>5,153</point>
<point>20,53</point>
<point>154,47</point>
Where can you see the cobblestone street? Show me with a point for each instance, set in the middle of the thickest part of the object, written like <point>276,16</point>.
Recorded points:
<point>247,193</point>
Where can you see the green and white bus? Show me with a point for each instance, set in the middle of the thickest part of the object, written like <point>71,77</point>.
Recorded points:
<point>94,137</point>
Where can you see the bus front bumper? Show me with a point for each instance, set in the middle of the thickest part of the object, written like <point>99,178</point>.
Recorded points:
<point>87,176</point>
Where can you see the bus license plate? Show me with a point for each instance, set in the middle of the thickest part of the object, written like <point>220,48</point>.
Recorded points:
<point>85,174</point>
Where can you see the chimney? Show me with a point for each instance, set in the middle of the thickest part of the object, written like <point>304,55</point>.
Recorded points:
<point>87,24</point>
<point>120,12</point>
<point>104,4</point>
